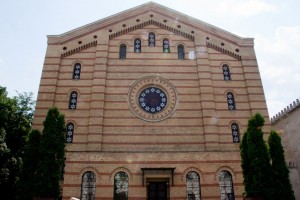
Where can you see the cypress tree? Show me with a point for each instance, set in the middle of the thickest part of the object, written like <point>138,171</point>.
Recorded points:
<point>51,150</point>
<point>256,161</point>
<point>282,184</point>
<point>30,163</point>
<point>245,161</point>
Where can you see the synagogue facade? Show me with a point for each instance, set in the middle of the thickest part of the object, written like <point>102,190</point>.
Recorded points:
<point>155,103</point>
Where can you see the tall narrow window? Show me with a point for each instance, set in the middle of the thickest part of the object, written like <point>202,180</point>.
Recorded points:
<point>137,45</point>
<point>70,132</point>
<point>226,72</point>
<point>230,101</point>
<point>226,186</point>
<point>151,40</point>
<point>235,132</point>
<point>73,100</point>
<point>166,45</point>
<point>180,51</point>
<point>121,186</point>
<point>193,186</point>
<point>76,71</point>
<point>88,186</point>
<point>122,53</point>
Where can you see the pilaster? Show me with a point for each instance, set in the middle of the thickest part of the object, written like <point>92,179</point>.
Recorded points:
<point>98,95</point>
<point>206,95</point>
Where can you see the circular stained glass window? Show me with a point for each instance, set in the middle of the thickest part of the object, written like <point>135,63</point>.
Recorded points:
<point>152,100</point>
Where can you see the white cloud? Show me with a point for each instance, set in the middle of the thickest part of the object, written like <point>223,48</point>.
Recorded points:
<point>279,63</point>
<point>244,8</point>
<point>233,7</point>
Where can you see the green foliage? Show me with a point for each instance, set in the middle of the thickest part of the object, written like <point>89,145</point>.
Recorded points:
<point>282,185</point>
<point>51,154</point>
<point>245,162</point>
<point>15,124</point>
<point>30,163</point>
<point>4,158</point>
<point>256,161</point>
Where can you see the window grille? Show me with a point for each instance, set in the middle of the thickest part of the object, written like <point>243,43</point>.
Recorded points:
<point>226,186</point>
<point>121,186</point>
<point>193,186</point>
<point>88,186</point>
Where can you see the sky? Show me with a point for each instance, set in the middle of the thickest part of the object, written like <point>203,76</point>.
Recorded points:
<point>274,24</point>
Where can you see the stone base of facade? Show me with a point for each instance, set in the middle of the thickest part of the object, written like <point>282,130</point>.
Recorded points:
<point>143,168</point>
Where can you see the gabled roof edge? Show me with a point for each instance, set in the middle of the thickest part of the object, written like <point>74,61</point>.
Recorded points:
<point>154,7</point>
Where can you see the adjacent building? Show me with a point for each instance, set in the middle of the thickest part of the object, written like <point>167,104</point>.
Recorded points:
<point>287,123</point>
<point>155,103</point>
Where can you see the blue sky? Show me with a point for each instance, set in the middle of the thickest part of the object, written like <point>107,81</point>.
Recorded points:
<point>274,24</point>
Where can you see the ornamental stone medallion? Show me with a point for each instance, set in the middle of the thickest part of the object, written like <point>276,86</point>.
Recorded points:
<point>152,98</point>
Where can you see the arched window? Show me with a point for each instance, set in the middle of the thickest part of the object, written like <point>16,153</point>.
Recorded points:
<point>230,101</point>
<point>151,40</point>
<point>180,51</point>
<point>235,132</point>
<point>88,186</point>
<point>166,45</point>
<point>70,132</point>
<point>226,186</point>
<point>122,53</point>
<point>121,186</point>
<point>76,71</point>
<point>137,45</point>
<point>73,100</point>
<point>226,72</point>
<point>193,186</point>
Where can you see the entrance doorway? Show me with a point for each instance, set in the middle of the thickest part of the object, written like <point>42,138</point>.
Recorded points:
<point>157,191</point>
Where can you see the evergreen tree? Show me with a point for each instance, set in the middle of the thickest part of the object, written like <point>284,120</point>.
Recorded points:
<point>4,158</point>
<point>51,156</point>
<point>245,161</point>
<point>256,161</point>
<point>30,163</point>
<point>15,124</point>
<point>282,184</point>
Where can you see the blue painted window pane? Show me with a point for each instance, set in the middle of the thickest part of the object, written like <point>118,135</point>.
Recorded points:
<point>76,71</point>
<point>166,46</point>
<point>73,100</point>
<point>230,101</point>
<point>235,132</point>
<point>151,40</point>
<point>122,53</point>
<point>226,72</point>
<point>180,51</point>
<point>70,132</point>
<point>137,45</point>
